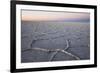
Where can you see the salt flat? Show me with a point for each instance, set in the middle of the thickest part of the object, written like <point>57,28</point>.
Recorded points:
<point>51,36</point>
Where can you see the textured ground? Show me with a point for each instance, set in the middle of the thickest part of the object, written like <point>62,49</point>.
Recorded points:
<point>54,41</point>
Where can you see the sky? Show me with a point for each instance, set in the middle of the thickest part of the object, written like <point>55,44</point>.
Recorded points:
<point>29,15</point>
